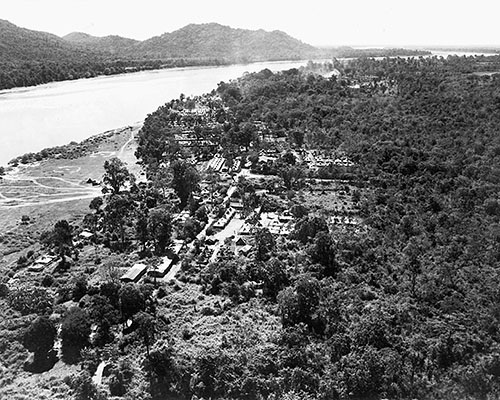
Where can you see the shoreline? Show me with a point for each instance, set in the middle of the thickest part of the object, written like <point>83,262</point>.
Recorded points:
<point>23,89</point>
<point>15,165</point>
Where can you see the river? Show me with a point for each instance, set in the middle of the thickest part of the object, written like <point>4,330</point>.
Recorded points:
<point>57,113</point>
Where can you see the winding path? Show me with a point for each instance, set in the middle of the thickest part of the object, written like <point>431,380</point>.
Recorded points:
<point>122,150</point>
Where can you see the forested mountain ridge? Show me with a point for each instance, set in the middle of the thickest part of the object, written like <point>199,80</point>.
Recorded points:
<point>112,44</point>
<point>204,41</point>
<point>219,41</point>
<point>19,44</point>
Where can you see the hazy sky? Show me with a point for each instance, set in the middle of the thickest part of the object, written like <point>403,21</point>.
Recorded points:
<point>318,22</point>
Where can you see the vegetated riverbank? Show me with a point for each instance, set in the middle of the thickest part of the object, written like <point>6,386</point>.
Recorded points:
<point>35,73</point>
<point>72,150</point>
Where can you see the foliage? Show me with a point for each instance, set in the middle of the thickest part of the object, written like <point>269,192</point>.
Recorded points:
<point>185,180</point>
<point>308,227</point>
<point>265,243</point>
<point>31,300</point>
<point>61,237</point>
<point>39,337</point>
<point>131,301</point>
<point>116,175</point>
<point>75,331</point>
<point>84,389</point>
<point>159,225</point>
<point>104,315</point>
<point>146,328</point>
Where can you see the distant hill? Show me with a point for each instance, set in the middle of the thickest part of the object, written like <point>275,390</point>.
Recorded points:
<point>110,44</point>
<point>30,58</point>
<point>201,41</point>
<point>19,44</point>
<point>225,43</point>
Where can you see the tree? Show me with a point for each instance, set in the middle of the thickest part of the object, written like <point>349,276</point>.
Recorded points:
<point>116,175</point>
<point>39,338</point>
<point>61,237</point>
<point>116,215</point>
<point>298,137</point>
<point>299,211</point>
<point>142,228</point>
<point>84,388</point>
<point>244,135</point>
<point>275,277</point>
<point>75,331</point>
<point>96,204</point>
<point>299,303</point>
<point>190,229</point>
<point>104,315</point>
<point>291,176</point>
<point>159,226</point>
<point>131,301</point>
<point>265,243</point>
<point>201,214</point>
<point>307,228</point>
<point>110,270</point>
<point>79,287</point>
<point>323,252</point>
<point>146,328</point>
<point>185,180</point>
<point>161,369</point>
<point>161,179</point>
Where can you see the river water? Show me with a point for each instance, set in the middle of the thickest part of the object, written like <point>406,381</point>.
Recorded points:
<point>57,113</point>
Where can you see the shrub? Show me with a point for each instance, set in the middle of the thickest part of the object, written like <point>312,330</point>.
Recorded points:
<point>31,300</point>
<point>75,331</point>
<point>39,338</point>
<point>4,290</point>
<point>47,280</point>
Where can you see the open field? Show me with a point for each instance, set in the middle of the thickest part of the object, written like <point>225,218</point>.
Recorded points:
<point>55,189</point>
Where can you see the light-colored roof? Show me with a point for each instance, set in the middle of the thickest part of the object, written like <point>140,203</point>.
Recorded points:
<point>245,249</point>
<point>162,269</point>
<point>44,260</point>
<point>86,234</point>
<point>134,273</point>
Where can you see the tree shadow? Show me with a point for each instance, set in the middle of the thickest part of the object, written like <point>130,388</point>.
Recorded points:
<point>71,354</point>
<point>41,363</point>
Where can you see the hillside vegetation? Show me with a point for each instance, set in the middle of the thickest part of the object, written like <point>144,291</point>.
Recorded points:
<point>384,286</point>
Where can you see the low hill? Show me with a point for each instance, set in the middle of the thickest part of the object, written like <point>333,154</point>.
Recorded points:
<point>110,44</point>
